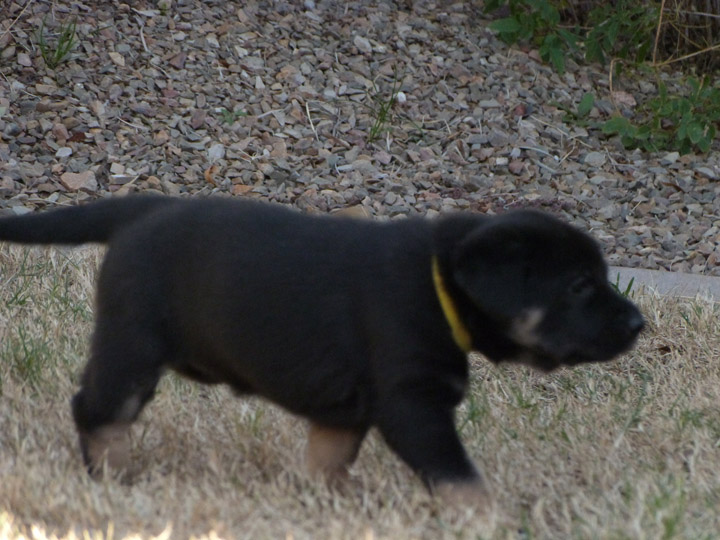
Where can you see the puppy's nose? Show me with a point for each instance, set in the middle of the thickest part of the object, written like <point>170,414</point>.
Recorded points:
<point>635,323</point>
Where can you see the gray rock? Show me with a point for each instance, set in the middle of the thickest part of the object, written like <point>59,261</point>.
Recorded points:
<point>595,159</point>
<point>362,44</point>
<point>707,172</point>
<point>670,158</point>
<point>216,152</point>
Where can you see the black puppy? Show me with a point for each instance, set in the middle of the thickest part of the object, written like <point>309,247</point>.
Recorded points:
<point>348,323</point>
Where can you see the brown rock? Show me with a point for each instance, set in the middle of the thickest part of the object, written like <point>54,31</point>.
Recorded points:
<point>117,58</point>
<point>516,166</point>
<point>357,211</point>
<point>178,61</point>
<point>79,181</point>
<point>60,133</point>
<point>198,118</point>
<point>45,89</point>
<point>241,189</point>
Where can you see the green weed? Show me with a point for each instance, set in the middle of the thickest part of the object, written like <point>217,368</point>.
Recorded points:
<point>230,117</point>
<point>669,505</point>
<point>477,409</point>
<point>55,54</point>
<point>39,285</point>
<point>627,292</point>
<point>28,355</point>
<point>257,422</point>
<point>382,109</point>
<point>164,7</point>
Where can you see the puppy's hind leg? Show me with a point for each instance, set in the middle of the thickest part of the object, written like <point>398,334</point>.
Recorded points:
<point>118,381</point>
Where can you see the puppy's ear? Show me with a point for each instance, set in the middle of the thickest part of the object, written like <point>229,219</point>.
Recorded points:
<point>489,267</point>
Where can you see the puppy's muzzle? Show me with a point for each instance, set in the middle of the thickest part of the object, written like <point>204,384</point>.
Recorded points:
<point>635,325</point>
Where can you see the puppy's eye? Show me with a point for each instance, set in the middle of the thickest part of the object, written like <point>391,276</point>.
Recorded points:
<point>581,286</point>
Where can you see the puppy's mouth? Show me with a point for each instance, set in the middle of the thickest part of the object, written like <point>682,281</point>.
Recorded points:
<point>527,360</point>
<point>533,359</point>
<point>547,363</point>
<point>546,355</point>
<point>539,358</point>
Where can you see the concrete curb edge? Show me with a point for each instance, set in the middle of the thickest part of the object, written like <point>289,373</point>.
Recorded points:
<point>666,283</point>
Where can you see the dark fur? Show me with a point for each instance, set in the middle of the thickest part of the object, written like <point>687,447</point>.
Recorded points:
<point>335,319</point>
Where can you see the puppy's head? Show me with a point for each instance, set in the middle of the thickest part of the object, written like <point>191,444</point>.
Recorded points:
<point>535,290</point>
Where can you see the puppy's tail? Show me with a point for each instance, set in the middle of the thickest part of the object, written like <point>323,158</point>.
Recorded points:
<point>95,222</point>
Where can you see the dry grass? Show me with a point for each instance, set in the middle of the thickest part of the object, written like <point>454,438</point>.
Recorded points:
<point>627,450</point>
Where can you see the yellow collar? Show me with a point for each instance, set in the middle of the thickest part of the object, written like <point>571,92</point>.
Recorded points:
<point>457,327</point>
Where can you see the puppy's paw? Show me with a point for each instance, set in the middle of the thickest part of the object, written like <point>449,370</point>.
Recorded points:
<point>468,505</point>
<point>467,494</point>
<point>107,448</point>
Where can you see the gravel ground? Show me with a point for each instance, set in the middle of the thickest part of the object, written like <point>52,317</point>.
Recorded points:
<point>289,101</point>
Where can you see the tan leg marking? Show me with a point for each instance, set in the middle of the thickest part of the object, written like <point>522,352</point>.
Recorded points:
<point>107,445</point>
<point>330,451</point>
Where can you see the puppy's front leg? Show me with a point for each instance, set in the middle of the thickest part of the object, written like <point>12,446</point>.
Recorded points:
<point>423,434</point>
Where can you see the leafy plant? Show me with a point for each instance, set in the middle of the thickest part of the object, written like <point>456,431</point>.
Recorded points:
<point>692,119</point>
<point>626,31</point>
<point>666,122</point>
<point>581,115</point>
<point>623,29</point>
<point>537,21</point>
<point>682,123</point>
<point>631,136</point>
<point>55,54</point>
<point>585,105</point>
